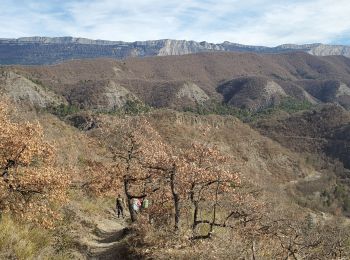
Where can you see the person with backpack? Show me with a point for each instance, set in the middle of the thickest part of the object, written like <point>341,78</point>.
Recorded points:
<point>120,205</point>
<point>139,203</point>
<point>136,205</point>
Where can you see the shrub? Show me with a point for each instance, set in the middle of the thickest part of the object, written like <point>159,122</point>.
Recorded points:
<point>63,110</point>
<point>289,105</point>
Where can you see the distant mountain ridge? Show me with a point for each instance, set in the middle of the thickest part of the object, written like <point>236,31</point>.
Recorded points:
<point>46,50</point>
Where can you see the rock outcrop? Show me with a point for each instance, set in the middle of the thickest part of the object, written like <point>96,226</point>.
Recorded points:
<point>253,93</point>
<point>27,92</point>
<point>328,91</point>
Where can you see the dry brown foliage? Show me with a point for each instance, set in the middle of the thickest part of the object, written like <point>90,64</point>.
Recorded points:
<point>198,190</point>
<point>30,183</point>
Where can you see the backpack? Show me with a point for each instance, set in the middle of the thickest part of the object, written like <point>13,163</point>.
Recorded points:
<point>145,203</point>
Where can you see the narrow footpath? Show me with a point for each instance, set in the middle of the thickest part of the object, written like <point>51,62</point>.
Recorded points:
<point>105,239</point>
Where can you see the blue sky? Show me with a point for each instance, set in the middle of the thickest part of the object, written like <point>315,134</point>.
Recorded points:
<point>255,22</point>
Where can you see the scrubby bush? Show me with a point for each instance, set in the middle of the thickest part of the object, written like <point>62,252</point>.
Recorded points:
<point>289,105</point>
<point>63,110</point>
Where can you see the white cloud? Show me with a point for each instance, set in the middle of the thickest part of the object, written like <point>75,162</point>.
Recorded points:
<point>258,22</point>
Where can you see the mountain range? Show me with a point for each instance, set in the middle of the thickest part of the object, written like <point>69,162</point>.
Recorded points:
<point>45,50</point>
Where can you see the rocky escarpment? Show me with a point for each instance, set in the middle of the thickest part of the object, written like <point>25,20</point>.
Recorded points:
<point>176,94</point>
<point>101,95</point>
<point>326,50</point>
<point>28,92</point>
<point>45,50</point>
<point>328,91</point>
<point>253,93</point>
<point>172,47</point>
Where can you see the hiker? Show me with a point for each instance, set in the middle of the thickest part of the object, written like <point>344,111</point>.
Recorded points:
<point>139,203</point>
<point>120,205</point>
<point>136,205</point>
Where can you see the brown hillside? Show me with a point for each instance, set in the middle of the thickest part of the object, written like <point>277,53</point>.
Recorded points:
<point>331,91</point>
<point>323,130</point>
<point>154,77</point>
<point>259,159</point>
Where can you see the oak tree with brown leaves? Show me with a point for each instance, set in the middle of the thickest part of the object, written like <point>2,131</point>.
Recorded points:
<point>30,182</point>
<point>198,178</point>
<point>132,145</point>
<point>207,178</point>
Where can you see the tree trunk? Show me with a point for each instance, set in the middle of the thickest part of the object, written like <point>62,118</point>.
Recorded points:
<point>126,182</point>
<point>253,250</point>
<point>195,215</point>
<point>196,208</point>
<point>214,211</point>
<point>133,215</point>
<point>176,198</point>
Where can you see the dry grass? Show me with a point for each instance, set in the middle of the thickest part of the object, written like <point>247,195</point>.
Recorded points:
<point>20,241</point>
<point>91,205</point>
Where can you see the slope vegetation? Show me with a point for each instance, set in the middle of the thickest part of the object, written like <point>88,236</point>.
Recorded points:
<point>189,80</point>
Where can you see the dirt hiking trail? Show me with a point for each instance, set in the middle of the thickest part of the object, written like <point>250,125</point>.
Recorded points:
<point>101,237</point>
<point>106,240</point>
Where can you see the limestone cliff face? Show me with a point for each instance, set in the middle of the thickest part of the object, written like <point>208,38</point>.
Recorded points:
<point>173,47</point>
<point>45,50</point>
<point>326,50</point>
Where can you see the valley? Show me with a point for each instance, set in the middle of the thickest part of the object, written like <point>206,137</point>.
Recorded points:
<point>269,129</point>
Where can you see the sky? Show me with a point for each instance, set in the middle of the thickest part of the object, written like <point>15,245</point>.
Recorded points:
<point>252,22</point>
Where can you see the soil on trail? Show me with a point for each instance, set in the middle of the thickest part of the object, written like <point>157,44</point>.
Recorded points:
<point>106,240</point>
<point>105,237</point>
